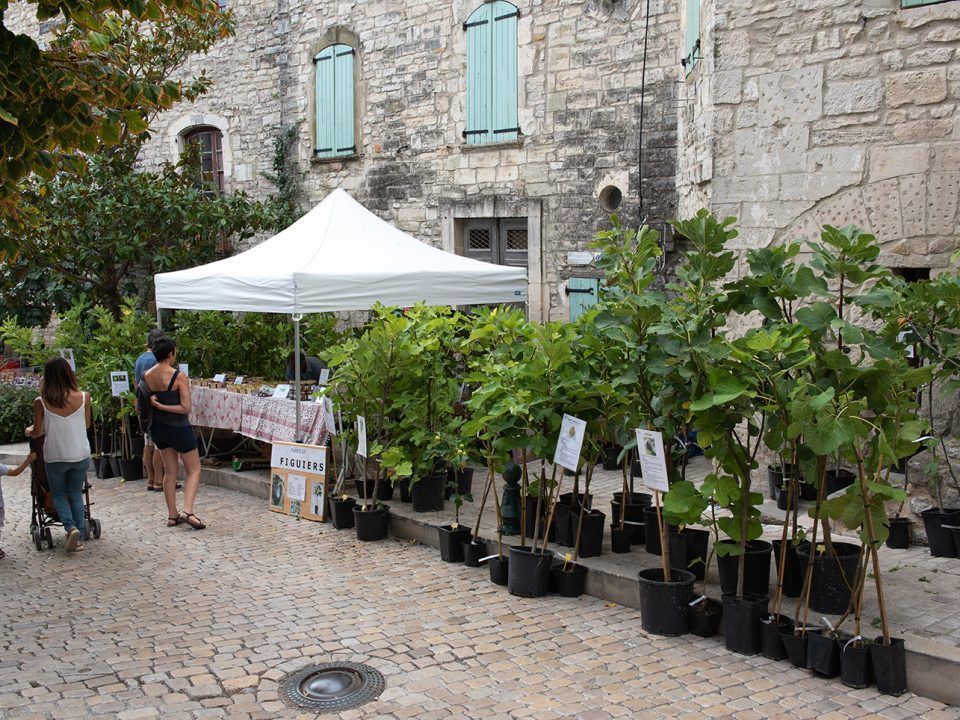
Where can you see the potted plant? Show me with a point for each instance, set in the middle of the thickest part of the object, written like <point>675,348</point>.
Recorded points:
<point>454,538</point>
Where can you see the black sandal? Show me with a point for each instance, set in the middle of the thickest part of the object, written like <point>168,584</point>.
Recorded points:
<point>174,521</point>
<point>196,524</point>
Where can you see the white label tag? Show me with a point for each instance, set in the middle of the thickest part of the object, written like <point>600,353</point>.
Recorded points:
<point>239,380</point>
<point>653,460</point>
<point>325,376</point>
<point>220,377</point>
<point>361,436</point>
<point>570,442</point>
<point>119,383</point>
<point>184,368</point>
<point>281,391</point>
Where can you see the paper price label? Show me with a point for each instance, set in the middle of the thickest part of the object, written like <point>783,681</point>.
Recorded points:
<point>119,383</point>
<point>653,460</point>
<point>361,436</point>
<point>570,442</point>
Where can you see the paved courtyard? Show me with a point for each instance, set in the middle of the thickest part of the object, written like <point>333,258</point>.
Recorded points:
<point>173,623</point>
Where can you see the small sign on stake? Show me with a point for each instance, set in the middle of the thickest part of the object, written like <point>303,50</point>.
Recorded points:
<point>119,383</point>
<point>67,354</point>
<point>361,436</point>
<point>329,422</point>
<point>325,376</point>
<point>653,460</point>
<point>569,443</point>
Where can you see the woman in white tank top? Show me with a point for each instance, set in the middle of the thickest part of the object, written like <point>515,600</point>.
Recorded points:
<point>62,413</point>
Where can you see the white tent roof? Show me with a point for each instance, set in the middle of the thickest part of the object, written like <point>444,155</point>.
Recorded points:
<point>339,256</point>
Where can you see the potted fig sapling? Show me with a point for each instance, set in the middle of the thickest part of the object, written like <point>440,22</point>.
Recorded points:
<point>454,538</point>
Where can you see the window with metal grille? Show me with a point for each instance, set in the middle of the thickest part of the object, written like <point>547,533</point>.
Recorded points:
<point>208,142</point>
<point>500,241</point>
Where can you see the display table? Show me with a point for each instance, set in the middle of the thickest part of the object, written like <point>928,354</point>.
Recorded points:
<point>259,418</point>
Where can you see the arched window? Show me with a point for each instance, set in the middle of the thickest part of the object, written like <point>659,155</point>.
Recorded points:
<point>209,143</point>
<point>492,74</point>
<point>335,117</point>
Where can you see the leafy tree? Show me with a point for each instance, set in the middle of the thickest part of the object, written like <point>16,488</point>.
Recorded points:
<point>102,77</point>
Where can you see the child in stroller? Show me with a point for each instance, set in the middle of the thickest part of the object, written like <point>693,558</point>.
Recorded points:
<point>6,470</point>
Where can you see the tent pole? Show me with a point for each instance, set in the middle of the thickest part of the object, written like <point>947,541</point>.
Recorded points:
<point>298,436</point>
<point>159,318</point>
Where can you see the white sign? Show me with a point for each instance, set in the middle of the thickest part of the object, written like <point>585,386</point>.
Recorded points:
<point>361,436</point>
<point>325,376</point>
<point>579,258</point>
<point>184,368</point>
<point>119,383</point>
<point>281,391</point>
<point>329,421</point>
<point>220,377</point>
<point>239,380</point>
<point>653,460</point>
<point>904,337</point>
<point>570,442</point>
<point>305,458</point>
<point>296,487</point>
<point>67,354</point>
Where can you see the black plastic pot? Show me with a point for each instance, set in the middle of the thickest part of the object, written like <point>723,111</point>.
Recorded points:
<point>899,538</point>
<point>889,666</point>
<point>341,513</point>
<point>562,529</point>
<point>371,524</point>
<point>808,491</point>
<point>531,519</point>
<point>591,532</point>
<point>940,540</point>
<point>774,481</point>
<point>473,550</point>
<point>404,487</point>
<point>651,530</point>
<point>783,500</point>
<point>136,446</point>
<point>610,455</point>
<point>426,494</point>
<point>772,629</point>
<point>705,618</point>
<point>567,499</point>
<point>105,471</point>
<point>792,576</point>
<point>529,574</point>
<point>823,653</point>
<point>634,514</point>
<point>833,577</point>
<point>756,571</point>
<point>451,542</point>
<point>571,582</point>
<point>620,539</point>
<point>463,480</point>
<point>115,466</point>
<point>856,670</point>
<point>95,464</point>
<point>664,606</point>
<point>688,550</point>
<point>361,494</point>
<point>838,480</point>
<point>498,567</point>
<point>636,470</point>
<point>131,469</point>
<point>741,622</point>
<point>796,647</point>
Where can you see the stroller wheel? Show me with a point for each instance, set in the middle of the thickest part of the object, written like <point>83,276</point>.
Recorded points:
<point>48,536</point>
<point>95,528</point>
<point>37,539</point>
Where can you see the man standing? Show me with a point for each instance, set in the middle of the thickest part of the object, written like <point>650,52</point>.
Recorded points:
<point>151,459</point>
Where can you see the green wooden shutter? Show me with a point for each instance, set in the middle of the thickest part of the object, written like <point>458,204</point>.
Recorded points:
<point>479,80</point>
<point>691,34</point>
<point>324,65</point>
<point>583,294</point>
<point>343,140</point>
<point>504,72</point>
<point>918,3</point>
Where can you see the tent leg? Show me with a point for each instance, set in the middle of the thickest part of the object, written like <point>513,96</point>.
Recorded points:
<point>159,318</point>
<point>298,435</point>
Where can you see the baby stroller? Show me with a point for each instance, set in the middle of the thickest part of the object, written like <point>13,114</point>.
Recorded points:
<point>44,513</point>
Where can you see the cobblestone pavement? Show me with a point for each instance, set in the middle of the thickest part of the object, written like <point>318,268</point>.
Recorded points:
<point>173,623</point>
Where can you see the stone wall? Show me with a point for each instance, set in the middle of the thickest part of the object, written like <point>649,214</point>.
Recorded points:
<point>580,67</point>
<point>827,111</point>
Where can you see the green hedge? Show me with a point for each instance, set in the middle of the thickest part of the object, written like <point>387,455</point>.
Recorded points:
<point>16,412</point>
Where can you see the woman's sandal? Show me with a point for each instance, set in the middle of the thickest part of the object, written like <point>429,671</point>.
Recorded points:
<point>196,523</point>
<point>174,521</point>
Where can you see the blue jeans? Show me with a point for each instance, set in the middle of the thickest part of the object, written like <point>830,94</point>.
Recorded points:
<point>66,481</point>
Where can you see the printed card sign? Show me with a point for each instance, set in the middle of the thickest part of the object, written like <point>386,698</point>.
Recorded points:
<point>570,442</point>
<point>329,421</point>
<point>298,480</point>
<point>653,459</point>
<point>281,391</point>
<point>184,368</point>
<point>220,377</point>
<point>239,380</point>
<point>325,376</point>
<point>67,354</point>
<point>119,383</point>
<point>361,436</point>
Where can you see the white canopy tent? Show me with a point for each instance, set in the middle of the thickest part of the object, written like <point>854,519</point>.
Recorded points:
<point>339,256</point>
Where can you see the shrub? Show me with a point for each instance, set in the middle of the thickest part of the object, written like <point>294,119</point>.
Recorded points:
<point>16,412</point>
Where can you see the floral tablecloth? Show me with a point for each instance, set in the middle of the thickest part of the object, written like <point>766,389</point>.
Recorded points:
<point>214,408</point>
<point>272,419</point>
<point>264,419</point>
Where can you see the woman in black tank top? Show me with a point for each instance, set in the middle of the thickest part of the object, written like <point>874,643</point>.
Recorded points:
<point>171,432</point>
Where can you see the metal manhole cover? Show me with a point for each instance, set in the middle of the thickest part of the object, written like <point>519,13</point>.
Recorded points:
<point>332,687</point>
